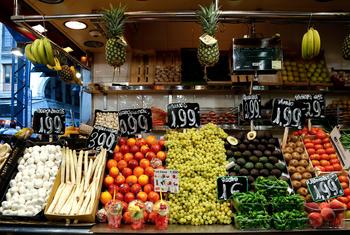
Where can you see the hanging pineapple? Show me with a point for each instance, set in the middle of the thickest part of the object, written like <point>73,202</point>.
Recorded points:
<point>114,19</point>
<point>346,48</point>
<point>208,51</point>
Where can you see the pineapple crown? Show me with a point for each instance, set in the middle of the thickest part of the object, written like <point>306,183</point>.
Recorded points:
<point>114,19</point>
<point>208,17</point>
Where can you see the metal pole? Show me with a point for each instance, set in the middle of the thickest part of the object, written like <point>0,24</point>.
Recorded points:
<point>216,2</point>
<point>15,8</point>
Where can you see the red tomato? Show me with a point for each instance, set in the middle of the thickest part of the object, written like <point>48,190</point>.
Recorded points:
<point>348,205</point>
<point>325,163</point>
<point>337,167</point>
<point>321,135</point>
<point>325,140</point>
<point>317,141</point>
<point>327,145</point>
<point>309,145</point>
<point>330,150</point>
<point>315,163</point>
<point>348,197</point>
<point>343,178</point>
<point>321,151</point>
<point>325,157</point>
<point>329,168</point>
<point>334,161</point>
<point>318,146</point>
<point>311,151</point>
<point>347,192</point>
<point>344,185</point>
<point>343,199</point>
<point>307,140</point>
<point>321,168</point>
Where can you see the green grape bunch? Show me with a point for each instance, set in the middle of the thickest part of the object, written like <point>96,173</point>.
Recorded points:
<point>199,156</point>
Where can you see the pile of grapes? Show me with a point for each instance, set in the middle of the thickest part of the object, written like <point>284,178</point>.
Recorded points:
<point>199,156</point>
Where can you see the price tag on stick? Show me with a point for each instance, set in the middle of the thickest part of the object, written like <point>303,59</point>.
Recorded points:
<point>183,115</point>
<point>314,105</point>
<point>133,121</point>
<point>228,185</point>
<point>288,113</point>
<point>166,181</point>
<point>49,121</point>
<point>324,187</point>
<point>103,137</point>
<point>251,106</point>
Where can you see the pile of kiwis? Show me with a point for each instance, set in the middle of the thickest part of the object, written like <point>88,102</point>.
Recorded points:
<point>299,166</point>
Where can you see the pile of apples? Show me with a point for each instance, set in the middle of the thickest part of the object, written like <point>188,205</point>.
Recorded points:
<point>131,173</point>
<point>321,151</point>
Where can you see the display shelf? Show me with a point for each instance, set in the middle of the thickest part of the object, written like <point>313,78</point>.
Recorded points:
<point>228,128</point>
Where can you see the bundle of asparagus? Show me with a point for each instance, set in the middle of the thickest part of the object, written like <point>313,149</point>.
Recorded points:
<point>79,182</point>
<point>5,151</point>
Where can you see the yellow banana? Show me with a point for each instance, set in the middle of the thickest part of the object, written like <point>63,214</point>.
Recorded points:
<point>41,50</point>
<point>28,53</point>
<point>317,42</point>
<point>57,66</point>
<point>34,50</point>
<point>304,47</point>
<point>310,44</point>
<point>75,78</point>
<point>48,51</point>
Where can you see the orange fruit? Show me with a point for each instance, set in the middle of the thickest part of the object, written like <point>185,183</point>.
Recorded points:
<point>143,180</point>
<point>128,156</point>
<point>153,197</point>
<point>108,180</point>
<point>105,197</point>
<point>138,171</point>
<point>142,196</point>
<point>126,172</point>
<point>131,142</point>
<point>144,163</point>
<point>111,163</point>
<point>149,171</point>
<point>161,155</point>
<point>131,179</point>
<point>127,217</point>
<point>151,139</point>
<point>114,171</point>
<point>116,149</point>
<point>119,180</point>
<point>148,188</point>
<point>122,164</point>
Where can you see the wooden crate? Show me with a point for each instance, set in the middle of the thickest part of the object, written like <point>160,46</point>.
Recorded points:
<point>89,218</point>
<point>142,68</point>
<point>270,80</point>
<point>168,68</point>
<point>245,78</point>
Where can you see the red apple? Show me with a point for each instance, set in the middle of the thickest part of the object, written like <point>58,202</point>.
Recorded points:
<point>135,188</point>
<point>150,155</point>
<point>156,148</point>
<point>328,214</point>
<point>139,156</point>
<point>117,156</point>
<point>124,188</point>
<point>133,163</point>
<point>119,197</point>
<point>123,141</point>
<point>125,206</point>
<point>128,197</point>
<point>161,142</point>
<point>131,142</point>
<point>134,149</point>
<point>315,219</point>
<point>113,189</point>
<point>124,149</point>
<point>126,172</point>
<point>140,142</point>
<point>144,149</point>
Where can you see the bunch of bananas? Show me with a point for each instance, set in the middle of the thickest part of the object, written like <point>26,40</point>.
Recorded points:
<point>40,51</point>
<point>65,73</point>
<point>311,44</point>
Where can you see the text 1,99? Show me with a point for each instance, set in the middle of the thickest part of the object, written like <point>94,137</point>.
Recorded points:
<point>186,118</point>
<point>51,125</point>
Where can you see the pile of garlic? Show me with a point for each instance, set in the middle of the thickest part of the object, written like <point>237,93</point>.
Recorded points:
<point>31,187</point>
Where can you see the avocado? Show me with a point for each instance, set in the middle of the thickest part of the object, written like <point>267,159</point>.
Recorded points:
<point>249,165</point>
<point>254,172</point>
<point>261,147</point>
<point>240,135</point>
<point>250,179</point>
<point>247,153</point>
<point>253,159</point>
<point>229,153</point>
<point>236,168</point>
<point>251,147</point>
<point>267,153</point>
<point>245,141</point>
<point>285,178</point>
<point>276,172</point>
<point>281,166</point>
<point>255,141</point>
<point>241,161</point>
<point>263,141</point>
<point>231,159</point>
<point>232,174</point>
<point>276,153</point>
<point>257,153</point>
<point>271,147</point>
<point>267,134</point>
<point>273,159</point>
<point>272,141</point>
<point>234,148</point>
<point>268,166</point>
<point>264,172</point>
<point>242,147</point>
<point>243,172</point>
<point>263,159</point>
<point>271,177</point>
<point>237,154</point>
<point>259,165</point>
<point>227,145</point>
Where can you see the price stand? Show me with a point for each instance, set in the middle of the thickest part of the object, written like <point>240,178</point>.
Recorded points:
<point>133,121</point>
<point>103,137</point>
<point>49,122</point>
<point>228,185</point>
<point>314,106</point>
<point>183,115</point>
<point>324,187</point>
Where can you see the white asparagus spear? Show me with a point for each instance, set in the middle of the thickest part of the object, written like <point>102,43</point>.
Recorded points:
<point>86,167</point>
<point>79,166</point>
<point>63,165</point>
<point>64,196</point>
<point>96,161</point>
<point>93,197</point>
<point>67,165</point>
<point>75,159</point>
<point>88,175</point>
<point>79,199</point>
<point>86,201</point>
<point>72,167</point>
<point>56,198</point>
<point>68,204</point>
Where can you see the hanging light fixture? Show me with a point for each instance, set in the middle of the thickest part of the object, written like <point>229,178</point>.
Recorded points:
<point>73,24</point>
<point>17,51</point>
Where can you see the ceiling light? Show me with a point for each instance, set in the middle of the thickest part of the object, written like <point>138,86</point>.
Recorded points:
<point>17,51</point>
<point>78,75</point>
<point>39,28</point>
<point>68,49</point>
<point>75,24</point>
<point>51,1</point>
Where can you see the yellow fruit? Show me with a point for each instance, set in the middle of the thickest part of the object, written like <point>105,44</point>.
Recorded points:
<point>105,197</point>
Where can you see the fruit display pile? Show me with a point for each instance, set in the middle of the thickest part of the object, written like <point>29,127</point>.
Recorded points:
<point>258,157</point>
<point>324,214</point>
<point>270,206</point>
<point>299,166</point>
<point>199,156</point>
<point>131,171</point>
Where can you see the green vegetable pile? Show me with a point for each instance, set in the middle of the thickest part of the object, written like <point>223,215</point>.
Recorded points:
<point>287,220</point>
<point>345,140</point>
<point>271,187</point>
<point>287,203</point>
<point>249,201</point>
<point>252,219</point>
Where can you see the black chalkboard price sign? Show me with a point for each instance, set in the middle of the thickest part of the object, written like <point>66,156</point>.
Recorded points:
<point>49,121</point>
<point>251,106</point>
<point>183,115</point>
<point>133,121</point>
<point>288,113</point>
<point>103,137</point>
<point>315,105</point>
<point>228,185</point>
<point>324,187</point>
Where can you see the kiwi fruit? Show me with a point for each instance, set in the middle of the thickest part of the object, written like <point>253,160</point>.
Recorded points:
<point>302,191</point>
<point>303,163</point>
<point>300,169</point>
<point>294,162</point>
<point>296,156</point>
<point>307,175</point>
<point>292,169</point>
<point>299,149</point>
<point>288,157</point>
<point>296,184</point>
<point>296,176</point>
